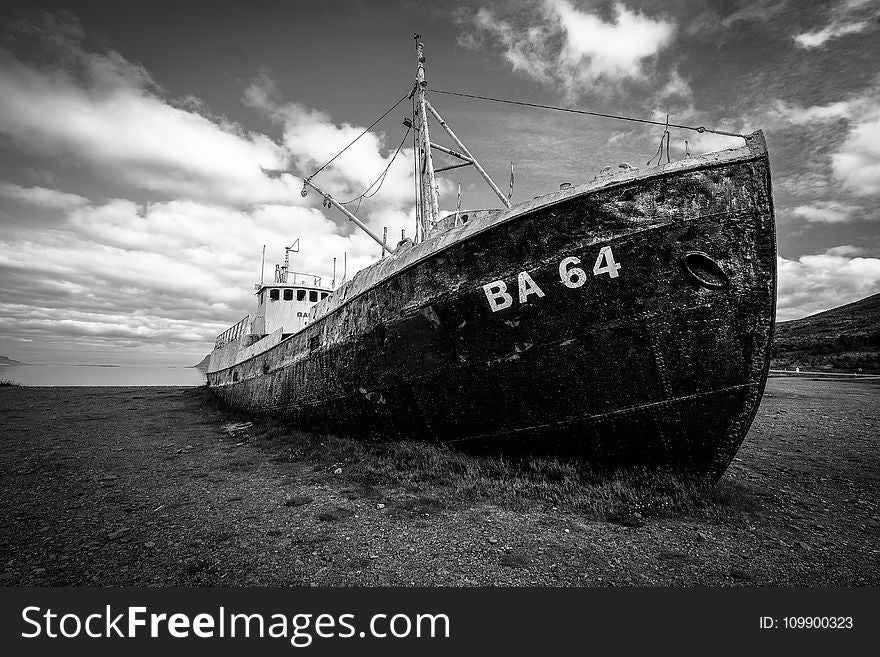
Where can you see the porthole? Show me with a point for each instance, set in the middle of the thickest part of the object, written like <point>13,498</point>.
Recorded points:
<point>704,270</point>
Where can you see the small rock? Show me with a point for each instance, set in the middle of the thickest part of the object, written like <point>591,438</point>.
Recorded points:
<point>703,536</point>
<point>149,545</point>
<point>297,500</point>
<point>567,530</point>
<point>337,471</point>
<point>380,506</point>
<point>493,540</point>
<point>119,533</point>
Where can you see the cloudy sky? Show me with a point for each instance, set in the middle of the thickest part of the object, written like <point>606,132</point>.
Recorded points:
<point>140,141</point>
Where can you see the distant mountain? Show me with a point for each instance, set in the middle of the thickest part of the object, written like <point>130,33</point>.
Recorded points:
<point>202,364</point>
<point>8,361</point>
<point>843,339</point>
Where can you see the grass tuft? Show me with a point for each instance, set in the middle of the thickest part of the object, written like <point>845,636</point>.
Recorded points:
<point>5,383</point>
<point>442,477</point>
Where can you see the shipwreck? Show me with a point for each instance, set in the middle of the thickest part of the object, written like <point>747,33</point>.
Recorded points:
<point>626,320</point>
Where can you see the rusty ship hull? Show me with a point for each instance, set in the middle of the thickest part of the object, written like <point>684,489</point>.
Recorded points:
<point>501,331</point>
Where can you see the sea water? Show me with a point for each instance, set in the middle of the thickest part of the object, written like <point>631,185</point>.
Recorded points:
<point>101,375</point>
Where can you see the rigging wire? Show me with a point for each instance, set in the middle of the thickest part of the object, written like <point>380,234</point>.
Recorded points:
<point>372,125</point>
<point>381,179</point>
<point>588,113</point>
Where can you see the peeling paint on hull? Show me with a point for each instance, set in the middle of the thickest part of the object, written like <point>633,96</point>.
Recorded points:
<point>663,364</point>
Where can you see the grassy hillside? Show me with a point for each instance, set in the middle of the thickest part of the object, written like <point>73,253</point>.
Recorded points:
<point>844,339</point>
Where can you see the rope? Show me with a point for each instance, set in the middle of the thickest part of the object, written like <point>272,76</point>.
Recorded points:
<point>659,153</point>
<point>372,125</point>
<point>599,114</point>
<point>381,177</point>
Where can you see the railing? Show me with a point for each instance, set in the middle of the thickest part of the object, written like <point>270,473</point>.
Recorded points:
<point>232,333</point>
<point>316,280</point>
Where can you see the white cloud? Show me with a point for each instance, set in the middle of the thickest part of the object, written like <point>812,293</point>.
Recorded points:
<point>108,114</point>
<point>579,49</point>
<point>834,31</point>
<point>781,112</point>
<point>814,283</point>
<point>311,138</point>
<point>856,163</point>
<point>677,86</point>
<point>847,250</point>
<point>830,212</point>
<point>846,17</point>
<point>173,276</point>
<point>707,142</point>
<point>615,49</point>
<point>43,197</point>
<point>165,275</point>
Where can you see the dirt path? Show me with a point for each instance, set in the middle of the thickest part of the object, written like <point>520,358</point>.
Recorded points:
<point>152,486</point>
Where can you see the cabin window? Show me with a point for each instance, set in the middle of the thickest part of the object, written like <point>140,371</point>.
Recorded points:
<point>260,297</point>
<point>464,218</point>
<point>300,295</point>
<point>314,342</point>
<point>273,294</point>
<point>288,295</point>
<point>313,295</point>
<point>324,295</point>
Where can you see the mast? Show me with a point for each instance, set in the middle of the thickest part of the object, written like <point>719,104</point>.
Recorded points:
<point>470,159</point>
<point>428,212</point>
<point>429,201</point>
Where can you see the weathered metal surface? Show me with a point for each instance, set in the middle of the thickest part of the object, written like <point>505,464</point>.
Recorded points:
<point>577,320</point>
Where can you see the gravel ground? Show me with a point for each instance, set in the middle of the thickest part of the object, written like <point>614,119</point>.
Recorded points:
<point>160,486</point>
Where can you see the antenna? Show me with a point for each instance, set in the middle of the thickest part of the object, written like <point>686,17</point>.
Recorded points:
<point>287,249</point>
<point>263,266</point>
<point>333,284</point>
